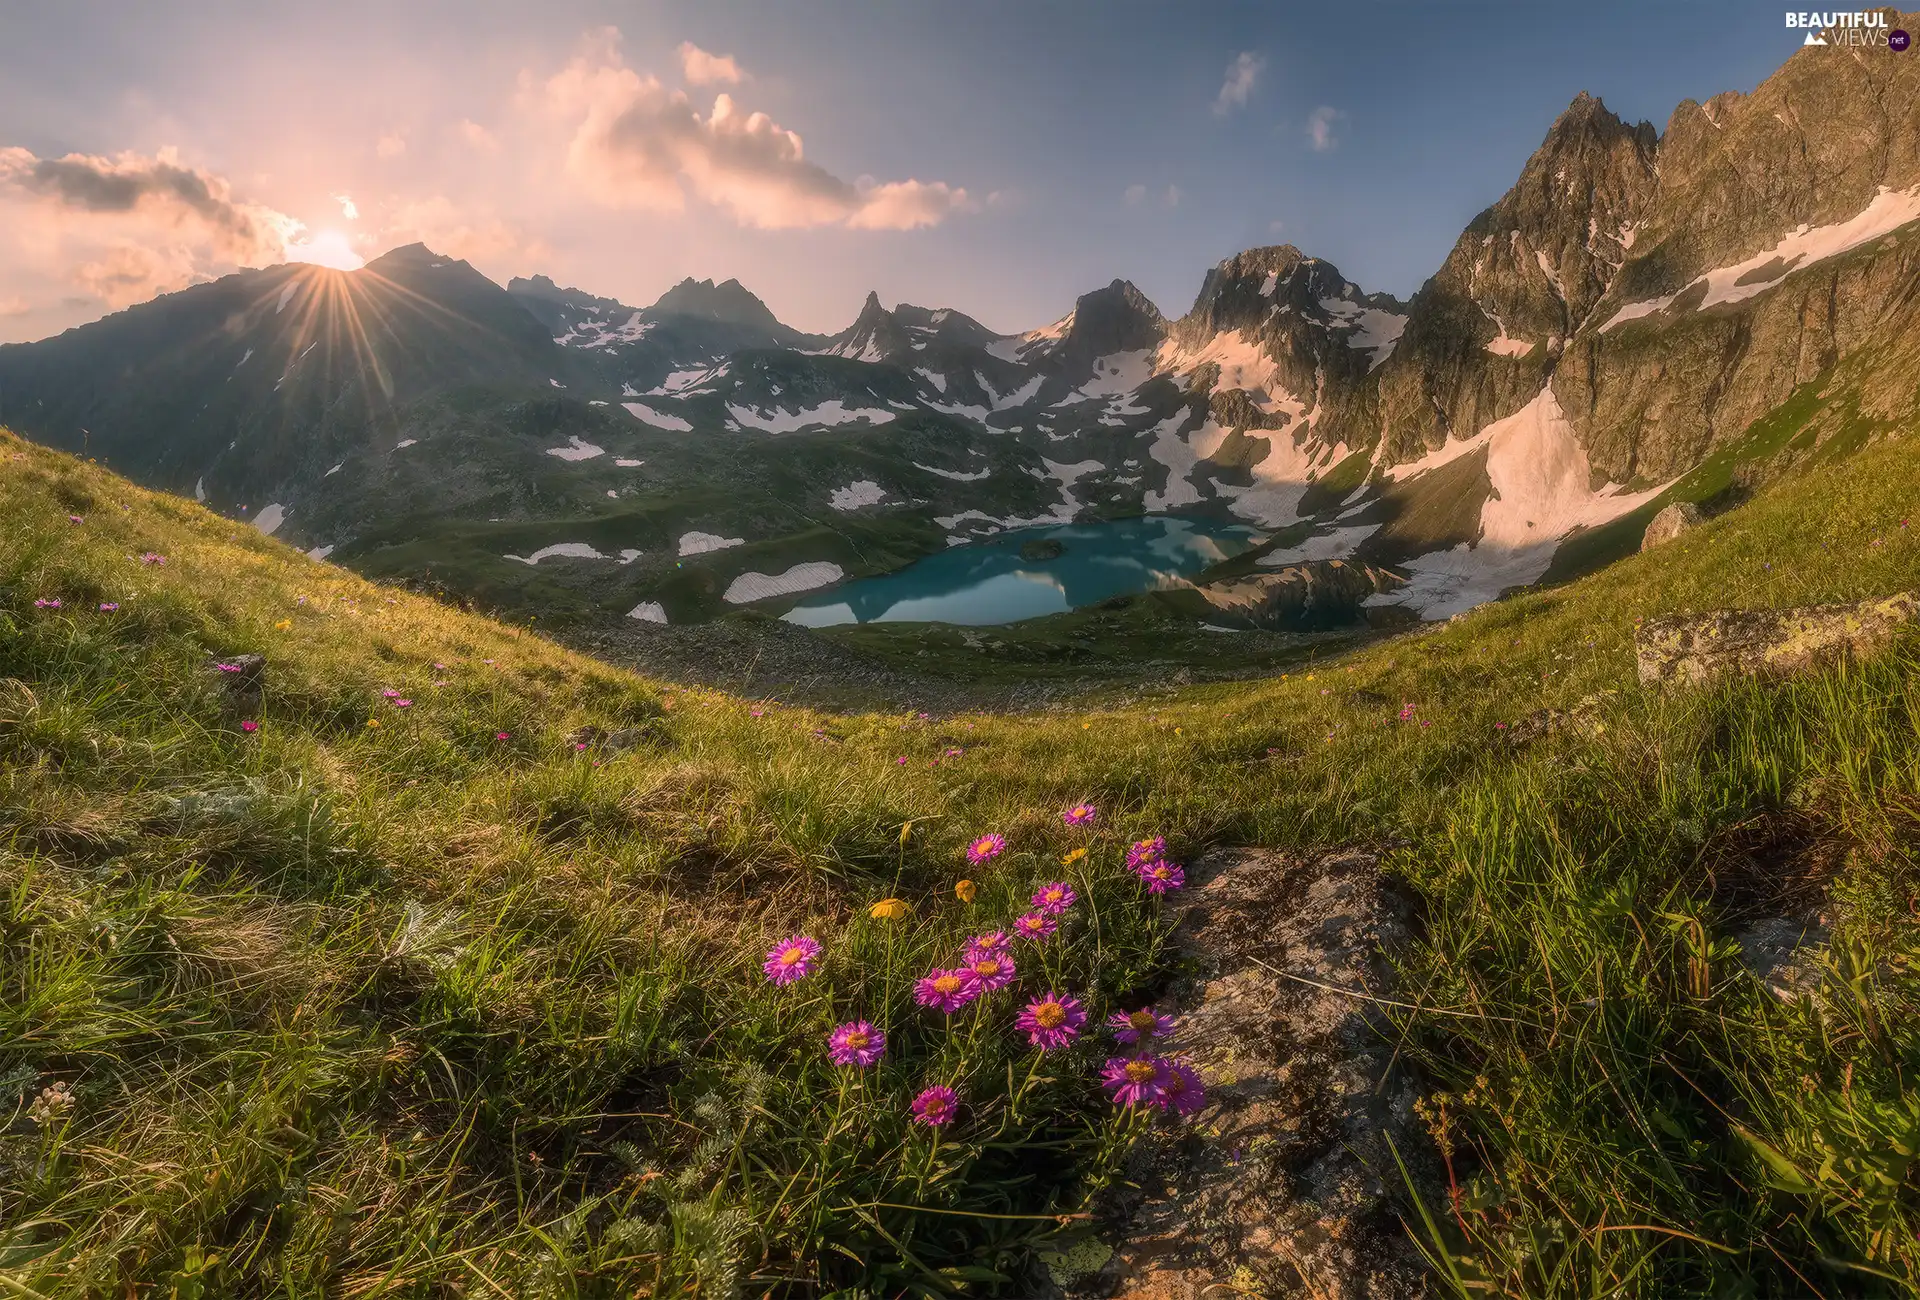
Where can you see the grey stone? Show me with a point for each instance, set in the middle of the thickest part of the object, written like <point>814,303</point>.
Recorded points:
<point>1695,649</point>
<point>1670,523</point>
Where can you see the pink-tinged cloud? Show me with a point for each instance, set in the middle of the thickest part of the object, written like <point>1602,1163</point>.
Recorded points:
<point>700,68</point>
<point>160,188</point>
<point>459,231</point>
<point>391,144</point>
<point>634,143</point>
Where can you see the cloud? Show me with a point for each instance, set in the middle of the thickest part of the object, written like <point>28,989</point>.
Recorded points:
<point>635,143</point>
<point>460,231</point>
<point>477,136</point>
<point>1136,195</point>
<point>1172,197</point>
<point>348,208</point>
<point>14,305</point>
<point>1322,123</point>
<point>390,145</point>
<point>160,188</point>
<point>1276,227</point>
<point>703,69</point>
<point>125,228</point>
<point>1242,75</point>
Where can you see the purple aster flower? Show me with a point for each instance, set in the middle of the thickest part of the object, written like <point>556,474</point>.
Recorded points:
<point>936,1106</point>
<point>1134,1080</point>
<point>1139,1026</point>
<point>1162,877</point>
<point>389,694</point>
<point>945,990</point>
<point>1052,1021</point>
<point>1182,1091</point>
<point>1143,851</point>
<point>53,603</point>
<point>790,959</point>
<point>228,668</point>
<point>856,1043</point>
<point>1055,897</point>
<point>988,972</point>
<point>75,519</point>
<point>1081,814</point>
<point>1035,926</point>
<point>109,606</point>
<point>993,943</point>
<point>403,704</point>
<point>986,848</point>
<point>152,557</point>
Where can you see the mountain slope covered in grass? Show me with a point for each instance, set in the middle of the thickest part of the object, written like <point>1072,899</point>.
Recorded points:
<point>463,994</point>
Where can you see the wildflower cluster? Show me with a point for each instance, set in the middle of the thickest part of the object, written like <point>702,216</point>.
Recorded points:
<point>1051,1021</point>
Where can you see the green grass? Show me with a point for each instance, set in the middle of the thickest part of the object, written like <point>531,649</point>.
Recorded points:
<point>411,1010</point>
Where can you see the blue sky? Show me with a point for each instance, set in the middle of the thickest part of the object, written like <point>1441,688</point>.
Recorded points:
<point>474,127</point>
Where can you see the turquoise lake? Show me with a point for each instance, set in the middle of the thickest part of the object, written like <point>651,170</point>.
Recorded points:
<point>989,582</point>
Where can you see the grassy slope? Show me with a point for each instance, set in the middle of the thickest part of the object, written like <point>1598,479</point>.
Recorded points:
<point>394,1009</point>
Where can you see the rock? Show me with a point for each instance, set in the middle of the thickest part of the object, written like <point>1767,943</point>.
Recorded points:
<point>240,681</point>
<point>1700,648</point>
<point>1670,523</point>
<point>1042,548</point>
<point>1583,718</point>
<point>1784,952</point>
<point>1284,1184</point>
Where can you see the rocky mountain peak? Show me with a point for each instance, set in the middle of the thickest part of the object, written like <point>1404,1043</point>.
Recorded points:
<point>1118,318</point>
<point>729,301</point>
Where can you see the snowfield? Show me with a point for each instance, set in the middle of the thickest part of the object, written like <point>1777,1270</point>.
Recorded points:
<point>701,543</point>
<point>576,449</point>
<point>566,550</point>
<point>829,412</point>
<point>659,420</point>
<point>801,577</point>
<point>860,492</point>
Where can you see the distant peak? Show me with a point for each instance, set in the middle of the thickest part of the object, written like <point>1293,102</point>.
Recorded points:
<point>730,301</point>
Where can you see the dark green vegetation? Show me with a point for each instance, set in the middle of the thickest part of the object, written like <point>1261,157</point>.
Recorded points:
<point>409,1009</point>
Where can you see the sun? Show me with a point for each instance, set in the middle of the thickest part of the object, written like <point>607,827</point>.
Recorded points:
<point>326,248</point>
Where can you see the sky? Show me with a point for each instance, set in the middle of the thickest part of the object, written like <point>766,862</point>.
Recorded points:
<point>996,156</point>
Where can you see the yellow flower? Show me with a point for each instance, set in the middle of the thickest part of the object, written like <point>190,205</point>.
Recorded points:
<point>373,722</point>
<point>1179,731</point>
<point>1073,857</point>
<point>283,625</point>
<point>889,909</point>
<point>963,890</point>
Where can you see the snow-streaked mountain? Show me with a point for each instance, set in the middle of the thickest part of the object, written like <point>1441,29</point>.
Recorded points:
<point>1627,310</point>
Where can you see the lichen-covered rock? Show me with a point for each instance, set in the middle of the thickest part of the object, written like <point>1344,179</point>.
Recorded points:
<point>1285,1185</point>
<point>1670,523</point>
<point>1693,649</point>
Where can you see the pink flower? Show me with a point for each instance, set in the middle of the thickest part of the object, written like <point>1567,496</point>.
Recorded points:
<point>955,752</point>
<point>249,726</point>
<point>403,704</point>
<point>754,713</point>
<point>1052,1021</point>
<point>988,972</point>
<point>151,557</point>
<point>1146,851</point>
<point>945,990</point>
<point>1139,1026</point>
<point>1181,1089</point>
<point>108,606</point>
<point>75,519</point>
<point>1161,877</point>
<point>900,761</point>
<point>1134,1080</point>
<point>389,694</point>
<point>439,668</point>
<point>994,943</point>
<point>936,1106</point>
<point>790,959</point>
<point>986,848</point>
<point>502,735</point>
<point>856,1043</point>
<point>228,668</point>
<point>48,603</point>
<point>1081,814</point>
<point>1035,925</point>
<point>1055,897</point>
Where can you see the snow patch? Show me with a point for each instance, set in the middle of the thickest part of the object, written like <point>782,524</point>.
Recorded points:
<point>626,463</point>
<point>801,577</point>
<point>270,518</point>
<point>320,552</point>
<point>1799,249</point>
<point>828,412</point>
<point>566,550</point>
<point>405,442</point>
<point>200,488</point>
<point>649,611</point>
<point>577,448</point>
<point>659,420</point>
<point>1503,346</point>
<point>860,492</point>
<point>292,287</point>
<point>701,543</point>
<point>957,476</point>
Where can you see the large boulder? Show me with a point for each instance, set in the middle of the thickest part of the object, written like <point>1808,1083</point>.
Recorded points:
<point>1670,523</point>
<point>1286,1184</point>
<point>1693,649</point>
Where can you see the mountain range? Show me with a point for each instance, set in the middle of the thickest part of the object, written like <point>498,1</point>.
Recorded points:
<point>1606,338</point>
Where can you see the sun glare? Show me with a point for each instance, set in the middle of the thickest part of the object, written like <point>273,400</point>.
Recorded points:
<point>327,248</point>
